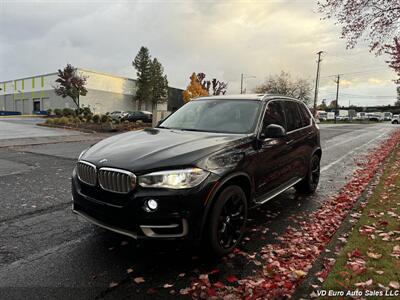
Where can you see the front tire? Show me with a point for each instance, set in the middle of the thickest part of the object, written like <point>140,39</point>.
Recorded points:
<point>310,183</point>
<point>227,221</point>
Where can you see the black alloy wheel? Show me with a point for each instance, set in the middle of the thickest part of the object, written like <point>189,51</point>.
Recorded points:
<point>227,220</point>
<point>310,183</point>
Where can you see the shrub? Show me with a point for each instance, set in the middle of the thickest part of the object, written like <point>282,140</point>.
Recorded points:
<point>96,118</point>
<point>50,121</point>
<point>58,112</point>
<point>68,112</point>
<point>49,111</point>
<point>104,118</point>
<point>63,121</point>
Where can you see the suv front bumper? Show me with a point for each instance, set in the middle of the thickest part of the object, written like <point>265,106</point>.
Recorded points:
<point>179,214</point>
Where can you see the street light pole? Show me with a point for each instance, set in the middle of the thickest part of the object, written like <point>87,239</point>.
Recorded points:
<point>241,83</point>
<point>317,82</point>
<point>242,78</point>
<point>337,95</point>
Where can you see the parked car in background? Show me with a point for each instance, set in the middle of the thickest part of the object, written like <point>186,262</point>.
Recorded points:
<point>375,116</point>
<point>387,116</point>
<point>118,115</point>
<point>396,119</point>
<point>196,174</point>
<point>144,116</point>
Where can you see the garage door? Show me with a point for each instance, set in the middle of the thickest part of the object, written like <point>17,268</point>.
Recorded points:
<point>27,106</point>
<point>18,106</point>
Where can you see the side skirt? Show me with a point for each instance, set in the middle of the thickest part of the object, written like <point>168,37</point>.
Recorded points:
<point>275,192</point>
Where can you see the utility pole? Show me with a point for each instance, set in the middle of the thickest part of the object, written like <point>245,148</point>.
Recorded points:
<point>241,83</point>
<point>317,82</point>
<point>337,95</point>
<point>242,77</point>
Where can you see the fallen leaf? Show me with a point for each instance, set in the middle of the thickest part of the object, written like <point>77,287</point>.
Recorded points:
<point>139,280</point>
<point>374,255</point>
<point>364,284</point>
<point>167,286</point>
<point>394,285</point>
<point>231,279</point>
<point>185,291</point>
<point>113,284</point>
<point>130,270</point>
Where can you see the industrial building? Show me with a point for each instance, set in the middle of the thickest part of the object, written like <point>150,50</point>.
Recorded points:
<point>106,93</point>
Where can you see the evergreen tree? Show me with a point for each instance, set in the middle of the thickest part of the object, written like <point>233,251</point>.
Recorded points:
<point>143,66</point>
<point>159,83</point>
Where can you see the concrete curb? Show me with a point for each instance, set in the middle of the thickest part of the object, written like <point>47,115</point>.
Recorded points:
<point>22,116</point>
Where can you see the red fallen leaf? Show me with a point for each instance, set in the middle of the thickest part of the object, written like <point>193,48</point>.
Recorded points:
<point>151,291</point>
<point>214,271</point>
<point>218,284</point>
<point>355,253</point>
<point>231,279</point>
<point>211,292</point>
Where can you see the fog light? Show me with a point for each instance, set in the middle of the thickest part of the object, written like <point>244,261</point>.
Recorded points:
<point>151,205</point>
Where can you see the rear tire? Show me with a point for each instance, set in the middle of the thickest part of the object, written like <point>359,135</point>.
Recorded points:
<point>310,183</point>
<point>226,222</point>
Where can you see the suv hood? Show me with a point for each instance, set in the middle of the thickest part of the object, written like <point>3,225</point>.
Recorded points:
<point>151,149</point>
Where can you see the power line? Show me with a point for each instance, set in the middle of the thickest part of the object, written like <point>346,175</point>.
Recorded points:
<point>357,72</point>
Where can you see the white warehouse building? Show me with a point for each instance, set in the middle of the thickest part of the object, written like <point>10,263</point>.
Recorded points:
<point>106,93</point>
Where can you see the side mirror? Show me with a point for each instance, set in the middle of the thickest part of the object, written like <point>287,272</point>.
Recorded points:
<point>273,131</point>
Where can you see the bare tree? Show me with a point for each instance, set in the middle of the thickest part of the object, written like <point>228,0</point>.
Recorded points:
<point>283,84</point>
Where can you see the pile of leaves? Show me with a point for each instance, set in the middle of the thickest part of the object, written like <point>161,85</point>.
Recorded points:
<point>371,256</point>
<point>285,264</point>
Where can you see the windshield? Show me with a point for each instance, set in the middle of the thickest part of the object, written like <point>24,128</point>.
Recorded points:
<point>226,116</point>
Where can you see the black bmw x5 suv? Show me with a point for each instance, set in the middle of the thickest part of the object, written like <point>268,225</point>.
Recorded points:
<point>196,174</point>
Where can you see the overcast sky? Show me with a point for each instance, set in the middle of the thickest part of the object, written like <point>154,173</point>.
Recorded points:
<point>220,38</point>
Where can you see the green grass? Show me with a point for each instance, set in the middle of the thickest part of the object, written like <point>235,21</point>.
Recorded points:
<point>385,198</point>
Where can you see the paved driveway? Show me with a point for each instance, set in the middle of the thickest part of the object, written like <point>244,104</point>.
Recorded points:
<point>12,128</point>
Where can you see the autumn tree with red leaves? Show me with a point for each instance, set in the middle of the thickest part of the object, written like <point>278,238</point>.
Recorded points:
<point>394,52</point>
<point>70,84</point>
<point>379,19</point>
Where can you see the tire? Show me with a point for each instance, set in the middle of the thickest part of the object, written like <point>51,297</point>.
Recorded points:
<point>226,222</point>
<point>310,183</point>
<point>395,122</point>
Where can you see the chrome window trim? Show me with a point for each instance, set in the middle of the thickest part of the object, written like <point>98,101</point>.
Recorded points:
<point>130,174</point>
<point>90,165</point>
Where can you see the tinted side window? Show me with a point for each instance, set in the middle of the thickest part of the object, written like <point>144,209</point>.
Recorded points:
<point>293,118</point>
<point>274,114</point>
<point>305,115</point>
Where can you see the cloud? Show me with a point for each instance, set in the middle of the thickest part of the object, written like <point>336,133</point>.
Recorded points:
<point>220,38</point>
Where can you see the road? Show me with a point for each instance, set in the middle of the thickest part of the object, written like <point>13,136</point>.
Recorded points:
<point>46,252</point>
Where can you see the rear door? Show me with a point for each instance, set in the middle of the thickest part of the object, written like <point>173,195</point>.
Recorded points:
<point>297,134</point>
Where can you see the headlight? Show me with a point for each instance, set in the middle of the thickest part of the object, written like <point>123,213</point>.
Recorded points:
<point>175,179</point>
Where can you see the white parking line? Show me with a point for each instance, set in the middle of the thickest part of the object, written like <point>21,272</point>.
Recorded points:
<point>327,167</point>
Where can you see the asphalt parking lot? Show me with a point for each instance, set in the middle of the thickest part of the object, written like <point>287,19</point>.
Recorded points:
<point>47,252</point>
